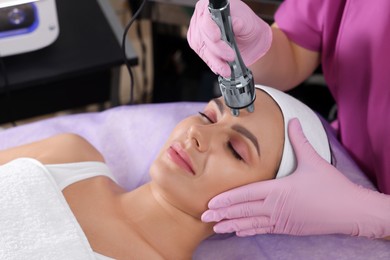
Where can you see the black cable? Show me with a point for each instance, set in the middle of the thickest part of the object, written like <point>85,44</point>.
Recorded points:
<point>7,91</point>
<point>143,62</point>
<point>124,49</point>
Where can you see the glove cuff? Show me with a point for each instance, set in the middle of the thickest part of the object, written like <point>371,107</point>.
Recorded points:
<point>376,216</point>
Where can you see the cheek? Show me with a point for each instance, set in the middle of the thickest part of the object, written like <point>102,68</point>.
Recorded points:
<point>178,133</point>
<point>222,175</point>
<point>184,193</point>
<point>271,158</point>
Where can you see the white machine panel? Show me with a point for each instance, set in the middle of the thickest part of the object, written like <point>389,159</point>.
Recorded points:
<point>27,25</point>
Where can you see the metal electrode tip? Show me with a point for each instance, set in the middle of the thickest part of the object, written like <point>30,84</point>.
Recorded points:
<point>236,111</point>
<point>250,108</point>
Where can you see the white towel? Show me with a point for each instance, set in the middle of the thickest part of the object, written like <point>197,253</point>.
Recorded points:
<point>35,220</point>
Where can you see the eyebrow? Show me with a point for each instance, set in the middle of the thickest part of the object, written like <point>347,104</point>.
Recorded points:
<point>237,127</point>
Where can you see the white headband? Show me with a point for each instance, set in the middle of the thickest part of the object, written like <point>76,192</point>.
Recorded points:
<point>311,126</point>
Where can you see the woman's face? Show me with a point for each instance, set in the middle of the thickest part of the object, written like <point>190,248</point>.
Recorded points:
<point>213,152</point>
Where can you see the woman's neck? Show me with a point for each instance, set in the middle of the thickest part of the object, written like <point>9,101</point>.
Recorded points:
<point>171,232</point>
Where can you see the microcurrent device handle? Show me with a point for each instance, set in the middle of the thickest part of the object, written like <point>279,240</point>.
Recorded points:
<point>238,90</point>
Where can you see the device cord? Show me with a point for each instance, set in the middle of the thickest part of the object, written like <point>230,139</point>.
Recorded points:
<point>143,63</point>
<point>127,63</point>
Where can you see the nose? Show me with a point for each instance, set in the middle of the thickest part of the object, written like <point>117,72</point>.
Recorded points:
<point>200,136</point>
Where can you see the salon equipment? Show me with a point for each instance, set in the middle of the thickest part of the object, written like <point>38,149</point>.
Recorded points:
<point>78,69</point>
<point>129,142</point>
<point>238,90</point>
<point>27,25</point>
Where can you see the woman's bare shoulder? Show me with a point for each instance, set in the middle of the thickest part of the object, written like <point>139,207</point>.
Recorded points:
<point>60,148</point>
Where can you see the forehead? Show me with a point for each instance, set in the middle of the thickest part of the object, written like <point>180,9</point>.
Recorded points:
<point>263,103</point>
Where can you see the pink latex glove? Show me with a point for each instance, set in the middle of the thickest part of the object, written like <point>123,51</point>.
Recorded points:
<point>315,199</point>
<point>253,36</point>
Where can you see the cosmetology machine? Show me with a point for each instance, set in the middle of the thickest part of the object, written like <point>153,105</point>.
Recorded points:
<point>238,90</point>
<point>27,25</point>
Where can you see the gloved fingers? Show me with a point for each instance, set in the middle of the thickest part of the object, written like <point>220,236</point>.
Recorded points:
<point>253,37</point>
<point>245,29</point>
<point>217,55</point>
<point>203,25</point>
<point>221,49</point>
<point>210,28</point>
<point>201,7</point>
<point>243,210</point>
<point>249,192</point>
<point>204,37</point>
<point>242,224</point>
<point>255,231</point>
<point>213,41</point>
<point>239,27</point>
<point>202,28</point>
<point>302,147</point>
<point>217,65</point>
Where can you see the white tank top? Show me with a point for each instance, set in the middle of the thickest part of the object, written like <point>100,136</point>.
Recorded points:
<point>68,173</point>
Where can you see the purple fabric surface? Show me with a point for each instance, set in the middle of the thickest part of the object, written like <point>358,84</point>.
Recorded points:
<point>129,137</point>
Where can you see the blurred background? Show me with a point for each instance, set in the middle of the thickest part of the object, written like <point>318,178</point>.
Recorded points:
<point>165,68</point>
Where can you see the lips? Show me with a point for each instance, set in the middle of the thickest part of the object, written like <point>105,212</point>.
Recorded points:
<point>180,157</point>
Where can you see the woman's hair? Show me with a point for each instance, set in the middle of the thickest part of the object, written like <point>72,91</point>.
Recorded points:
<point>311,126</point>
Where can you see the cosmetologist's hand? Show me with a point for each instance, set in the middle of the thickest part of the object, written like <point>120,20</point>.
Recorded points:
<point>315,199</point>
<point>253,36</point>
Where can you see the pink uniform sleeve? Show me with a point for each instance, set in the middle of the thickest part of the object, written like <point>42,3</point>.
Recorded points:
<point>305,22</point>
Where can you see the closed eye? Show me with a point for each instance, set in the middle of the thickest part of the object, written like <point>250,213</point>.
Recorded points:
<point>234,152</point>
<point>229,144</point>
<point>205,116</point>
